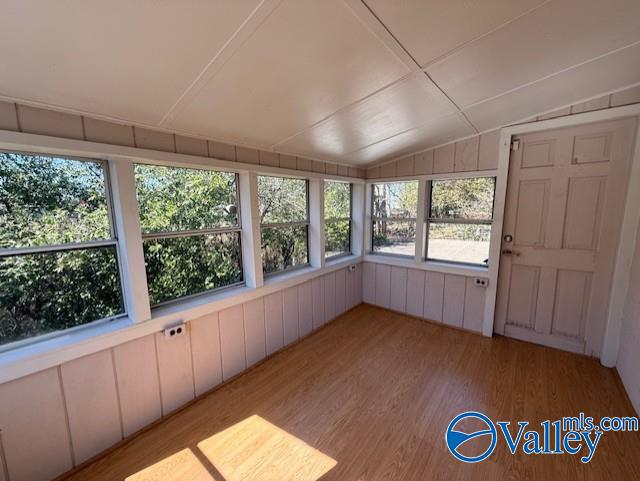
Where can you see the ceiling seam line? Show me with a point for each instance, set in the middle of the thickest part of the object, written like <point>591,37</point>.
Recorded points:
<point>170,113</point>
<point>346,107</point>
<point>384,26</point>
<point>466,44</point>
<point>551,75</point>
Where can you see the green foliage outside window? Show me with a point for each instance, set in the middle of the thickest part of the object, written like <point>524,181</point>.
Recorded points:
<point>394,217</point>
<point>188,204</point>
<point>47,201</point>
<point>337,214</point>
<point>283,201</point>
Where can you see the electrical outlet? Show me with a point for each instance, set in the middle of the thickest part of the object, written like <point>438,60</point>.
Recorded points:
<point>481,282</point>
<point>352,268</point>
<point>175,331</point>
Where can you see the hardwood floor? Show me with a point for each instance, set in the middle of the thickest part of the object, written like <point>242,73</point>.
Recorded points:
<point>369,398</point>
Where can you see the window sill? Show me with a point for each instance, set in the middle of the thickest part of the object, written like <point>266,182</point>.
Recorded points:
<point>435,266</point>
<point>47,353</point>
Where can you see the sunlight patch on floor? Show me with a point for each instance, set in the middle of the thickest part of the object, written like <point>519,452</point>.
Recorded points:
<point>256,450</point>
<point>181,466</point>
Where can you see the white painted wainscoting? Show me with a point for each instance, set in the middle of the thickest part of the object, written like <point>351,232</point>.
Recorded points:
<point>58,418</point>
<point>450,299</point>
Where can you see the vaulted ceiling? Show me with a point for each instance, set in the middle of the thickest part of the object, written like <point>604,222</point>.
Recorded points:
<point>351,81</point>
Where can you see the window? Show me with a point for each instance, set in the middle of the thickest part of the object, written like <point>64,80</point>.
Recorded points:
<point>190,229</point>
<point>337,219</point>
<point>58,250</point>
<point>394,212</point>
<point>284,223</point>
<point>460,214</point>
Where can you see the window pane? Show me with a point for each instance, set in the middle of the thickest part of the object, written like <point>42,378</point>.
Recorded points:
<point>337,200</point>
<point>46,292</point>
<point>394,237</point>
<point>182,266</point>
<point>462,198</point>
<point>395,199</point>
<point>282,199</point>
<point>337,238</point>
<point>50,200</point>
<point>284,247</point>
<point>467,243</point>
<point>177,199</point>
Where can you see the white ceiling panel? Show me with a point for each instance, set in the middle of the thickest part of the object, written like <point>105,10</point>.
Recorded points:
<point>409,103</point>
<point>307,60</point>
<point>604,74</point>
<point>126,59</point>
<point>429,29</point>
<point>554,37</point>
<point>447,128</point>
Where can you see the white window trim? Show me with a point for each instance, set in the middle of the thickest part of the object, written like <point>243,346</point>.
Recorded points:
<point>48,351</point>
<point>339,219</point>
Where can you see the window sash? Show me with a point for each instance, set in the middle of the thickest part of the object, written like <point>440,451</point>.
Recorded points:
<point>289,268</point>
<point>349,251</point>
<point>429,219</point>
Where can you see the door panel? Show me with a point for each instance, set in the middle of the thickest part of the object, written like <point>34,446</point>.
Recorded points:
<point>565,200</point>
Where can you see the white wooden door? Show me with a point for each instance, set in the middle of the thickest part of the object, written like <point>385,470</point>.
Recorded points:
<point>565,201</point>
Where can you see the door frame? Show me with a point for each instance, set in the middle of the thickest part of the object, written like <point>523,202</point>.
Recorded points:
<point>629,228</point>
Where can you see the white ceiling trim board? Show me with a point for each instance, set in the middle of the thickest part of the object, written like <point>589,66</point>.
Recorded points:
<point>551,75</point>
<point>228,50</point>
<point>466,44</point>
<point>527,120</point>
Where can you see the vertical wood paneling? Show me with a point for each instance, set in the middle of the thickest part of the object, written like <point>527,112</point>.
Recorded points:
<point>50,122</point>
<point>8,116</point>
<point>383,285</point>
<point>273,321</point>
<point>108,132</point>
<point>191,146</point>
<point>234,360</point>
<point>398,299</point>
<point>466,155</point>
<point>351,279</point>
<point>433,296</point>
<point>305,308</point>
<point>415,292</point>
<point>154,140</point>
<point>405,166</point>
<point>290,314</point>
<point>474,306</point>
<point>254,331</point>
<point>34,427</point>
<point>424,163</point>
<point>319,316</point>
<point>138,384</point>
<point>221,151</point>
<point>176,372</point>
<point>205,348</point>
<point>488,150</point>
<point>453,309</point>
<point>89,386</point>
<point>359,283</point>
<point>443,159</point>
<point>287,161</point>
<point>369,283</point>
<point>247,155</point>
<point>388,170</point>
<point>341,291</point>
<point>330,296</point>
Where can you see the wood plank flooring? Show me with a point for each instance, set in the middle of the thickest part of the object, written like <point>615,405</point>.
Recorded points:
<point>374,391</point>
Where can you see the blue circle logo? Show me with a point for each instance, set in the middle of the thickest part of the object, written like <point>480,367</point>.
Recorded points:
<point>455,439</point>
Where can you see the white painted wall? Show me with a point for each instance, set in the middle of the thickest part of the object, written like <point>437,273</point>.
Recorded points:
<point>449,299</point>
<point>69,413</point>
<point>628,364</point>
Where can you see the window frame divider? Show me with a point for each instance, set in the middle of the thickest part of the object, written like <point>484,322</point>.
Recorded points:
<point>130,251</point>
